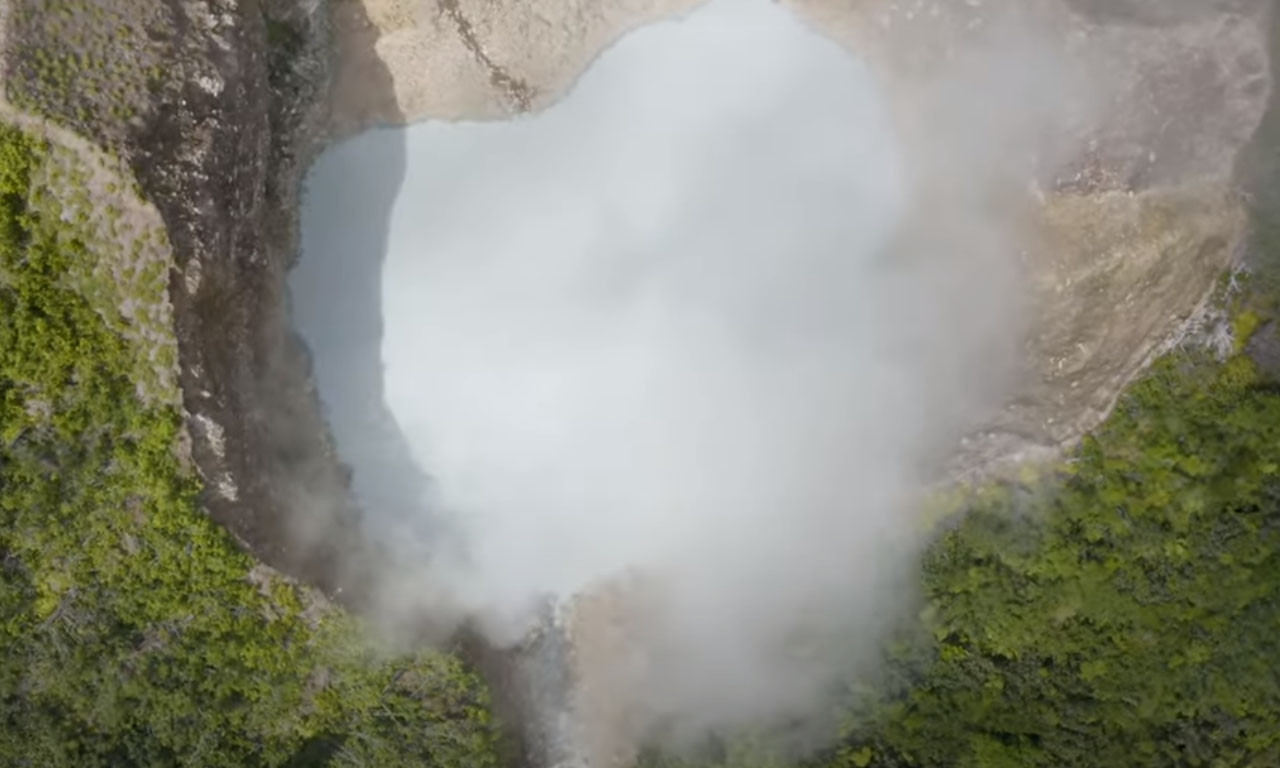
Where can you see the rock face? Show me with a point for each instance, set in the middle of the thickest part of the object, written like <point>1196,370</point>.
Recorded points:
<point>457,59</point>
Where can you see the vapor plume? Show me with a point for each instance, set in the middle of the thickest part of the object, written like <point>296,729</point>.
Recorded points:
<point>685,329</point>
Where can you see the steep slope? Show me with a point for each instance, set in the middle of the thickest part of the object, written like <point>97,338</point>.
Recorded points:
<point>1126,210</point>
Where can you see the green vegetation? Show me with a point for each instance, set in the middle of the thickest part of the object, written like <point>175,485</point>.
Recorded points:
<point>132,632</point>
<point>123,256</point>
<point>1125,612</point>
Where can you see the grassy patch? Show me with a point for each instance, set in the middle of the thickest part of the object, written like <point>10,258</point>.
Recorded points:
<point>132,632</point>
<point>1127,614</point>
<point>91,63</point>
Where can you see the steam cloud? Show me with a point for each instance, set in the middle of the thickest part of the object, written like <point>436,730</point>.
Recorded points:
<point>674,326</point>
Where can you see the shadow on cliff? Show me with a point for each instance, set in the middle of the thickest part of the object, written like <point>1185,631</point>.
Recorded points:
<point>335,322</point>
<point>223,165</point>
<point>352,532</point>
<point>336,302</point>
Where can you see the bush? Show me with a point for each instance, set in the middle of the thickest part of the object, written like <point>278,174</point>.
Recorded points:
<point>132,632</point>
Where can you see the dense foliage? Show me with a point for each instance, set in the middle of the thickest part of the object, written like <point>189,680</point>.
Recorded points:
<point>1125,612</point>
<point>132,632</point>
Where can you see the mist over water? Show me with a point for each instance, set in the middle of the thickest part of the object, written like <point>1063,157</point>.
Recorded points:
<point>645,322</point>
<point>660,329</point>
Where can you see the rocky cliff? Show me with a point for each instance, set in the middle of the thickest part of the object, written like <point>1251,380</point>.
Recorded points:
<point>1099,144</point>
<point>217,107</point>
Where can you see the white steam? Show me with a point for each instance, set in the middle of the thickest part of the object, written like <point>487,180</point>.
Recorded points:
<point>669,327</point>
